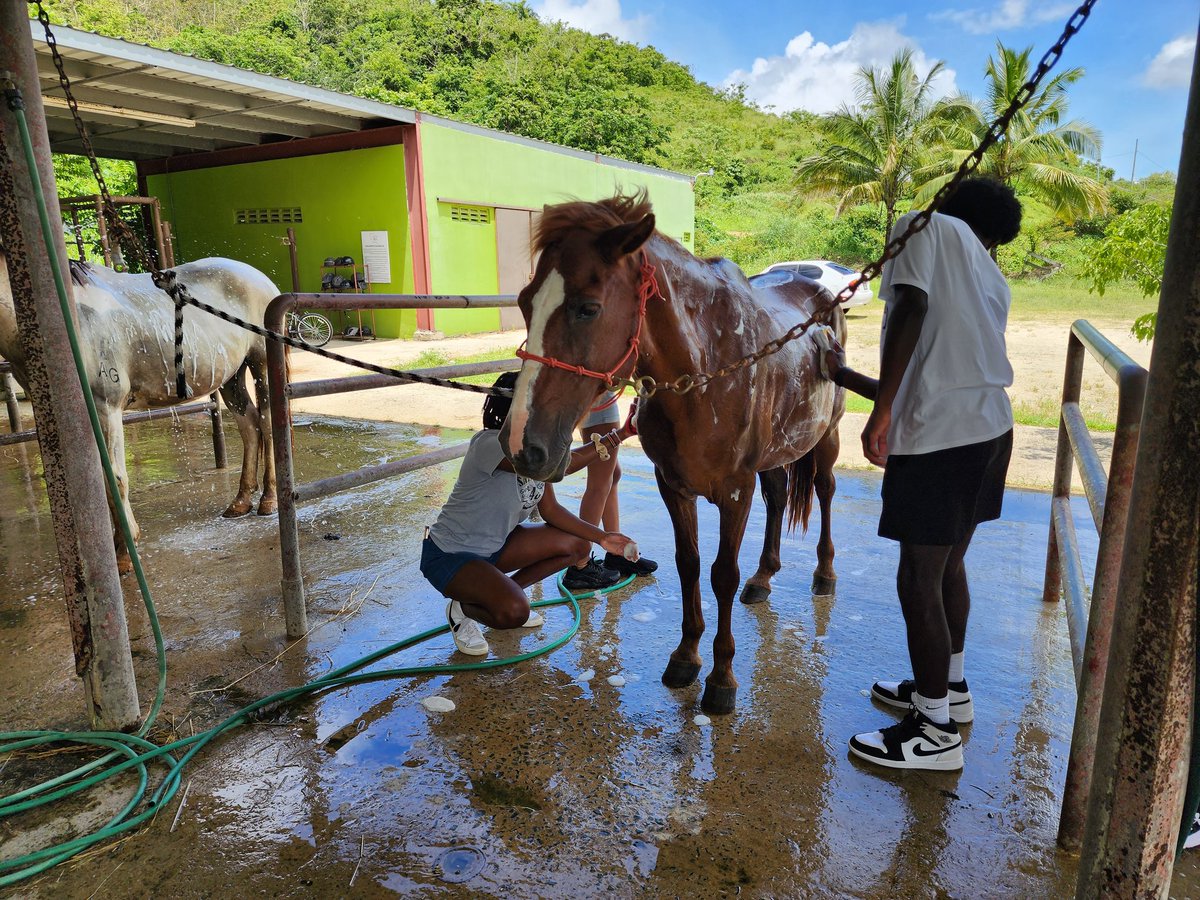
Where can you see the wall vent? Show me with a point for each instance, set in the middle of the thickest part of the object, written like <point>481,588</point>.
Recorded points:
<point>480,215</point>
<point>279,215</point>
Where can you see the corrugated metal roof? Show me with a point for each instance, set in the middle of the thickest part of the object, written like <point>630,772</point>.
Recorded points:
<point>143,103</point>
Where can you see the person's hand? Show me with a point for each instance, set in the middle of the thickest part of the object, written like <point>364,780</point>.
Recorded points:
<point>615,543</point>
<point>629,428</point>
<point>875,435</point>
<point>830,353</point>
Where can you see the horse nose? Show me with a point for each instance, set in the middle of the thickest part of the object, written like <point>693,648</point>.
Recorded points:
<point>533,457</point>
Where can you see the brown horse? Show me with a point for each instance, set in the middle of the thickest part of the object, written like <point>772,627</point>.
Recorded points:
<point>777,418</point>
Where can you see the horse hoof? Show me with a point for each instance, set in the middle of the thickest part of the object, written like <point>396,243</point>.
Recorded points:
<point>268,507</point>
<point>236,511</point>
<point>755,593</point>
<point>824,585</point>
<point>718,701</point>
<point>679,674</point>
<point>124,566</point>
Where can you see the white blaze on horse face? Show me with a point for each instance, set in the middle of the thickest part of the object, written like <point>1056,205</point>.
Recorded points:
<point>549,297</point>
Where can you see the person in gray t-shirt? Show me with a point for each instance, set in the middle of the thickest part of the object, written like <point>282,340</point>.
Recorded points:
<point>479,535</point>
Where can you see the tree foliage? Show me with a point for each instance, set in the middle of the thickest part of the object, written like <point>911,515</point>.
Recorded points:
<point>1134,249</point>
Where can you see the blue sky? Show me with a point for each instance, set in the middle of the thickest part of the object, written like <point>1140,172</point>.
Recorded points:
<point>802,54</point>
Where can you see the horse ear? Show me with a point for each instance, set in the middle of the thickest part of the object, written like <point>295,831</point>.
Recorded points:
<point>622,240</point>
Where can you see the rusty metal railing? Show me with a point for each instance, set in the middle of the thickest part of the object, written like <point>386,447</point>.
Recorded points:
<point>8,387</point>
<point>211,407</point>
<point>1090,618</point>
<point>283,391</point>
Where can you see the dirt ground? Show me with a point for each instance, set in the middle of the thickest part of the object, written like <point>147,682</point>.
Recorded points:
<point>1036,347</point>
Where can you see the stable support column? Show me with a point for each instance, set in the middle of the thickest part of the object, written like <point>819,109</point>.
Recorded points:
<point>74,483</point>
<point>1145,730</point>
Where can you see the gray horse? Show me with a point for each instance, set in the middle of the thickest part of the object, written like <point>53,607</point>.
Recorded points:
<point>127,329</point>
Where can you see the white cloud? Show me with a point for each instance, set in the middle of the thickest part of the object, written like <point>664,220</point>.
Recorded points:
<point>1007,15</point>
<point>820,77</point>
<point>1173,65</point>
<point>596,16</point>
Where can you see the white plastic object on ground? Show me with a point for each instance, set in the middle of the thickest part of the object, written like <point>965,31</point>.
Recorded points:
<point>586,676</point>
<point>438,704</point>
<point>616,680</point>
<point>702,720</point>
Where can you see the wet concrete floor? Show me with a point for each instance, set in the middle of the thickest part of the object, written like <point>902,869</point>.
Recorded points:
<point>540,783</point>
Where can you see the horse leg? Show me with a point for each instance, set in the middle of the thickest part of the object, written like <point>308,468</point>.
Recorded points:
<point>720,688</point>
<point>268,503</point>
<point>237,398</point>
<point>774,492</point>
<point>113,429</point>
<point>826,453</point>
<point>684,664</point>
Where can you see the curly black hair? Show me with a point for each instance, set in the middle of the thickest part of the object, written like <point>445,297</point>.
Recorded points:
<point>989,206</point>
<point>495,408</point>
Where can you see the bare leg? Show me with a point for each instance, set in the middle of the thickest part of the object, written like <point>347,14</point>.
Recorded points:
<point>919,586</point>
<point>720,688</point>
<point>774,492</point>
<point>684,664</point>
<point>956,596</point>
<point>113,430</point>
<point>601,487</point>
<point>532,552</point>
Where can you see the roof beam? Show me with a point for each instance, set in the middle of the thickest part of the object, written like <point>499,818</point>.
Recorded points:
<point>151,144</point>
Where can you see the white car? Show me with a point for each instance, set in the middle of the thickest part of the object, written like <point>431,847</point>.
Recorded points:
<point>830,274</point>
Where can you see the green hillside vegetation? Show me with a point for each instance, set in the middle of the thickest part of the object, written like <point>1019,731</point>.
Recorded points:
<point>498,65</point>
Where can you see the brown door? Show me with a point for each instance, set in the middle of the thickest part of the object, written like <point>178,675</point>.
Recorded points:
<point>514,233</point>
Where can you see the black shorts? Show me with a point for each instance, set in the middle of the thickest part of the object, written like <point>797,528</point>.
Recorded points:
<point>937,498</point>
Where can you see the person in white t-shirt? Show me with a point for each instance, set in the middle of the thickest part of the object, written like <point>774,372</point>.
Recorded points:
<point>942,429</point>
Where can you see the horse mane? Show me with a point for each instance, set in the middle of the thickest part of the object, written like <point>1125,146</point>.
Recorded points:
<point>81,271</point>
<point>593,216</point>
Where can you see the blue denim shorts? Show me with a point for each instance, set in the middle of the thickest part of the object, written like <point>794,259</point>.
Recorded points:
<point>439,567</point>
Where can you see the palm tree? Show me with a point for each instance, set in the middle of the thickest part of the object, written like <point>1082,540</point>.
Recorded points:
<point>873,148</point>
<point>1039,153</point>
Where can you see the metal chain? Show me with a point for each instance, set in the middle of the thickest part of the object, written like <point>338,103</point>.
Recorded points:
<point>647,387</point>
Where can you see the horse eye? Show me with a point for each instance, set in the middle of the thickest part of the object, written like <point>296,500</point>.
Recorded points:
<point>587,311</point>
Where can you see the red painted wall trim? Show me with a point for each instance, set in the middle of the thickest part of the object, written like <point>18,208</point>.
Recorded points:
<point>418,218</point>
<point>332,143</point>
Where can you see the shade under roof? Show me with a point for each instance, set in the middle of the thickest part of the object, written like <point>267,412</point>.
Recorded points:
<point>142,103</point>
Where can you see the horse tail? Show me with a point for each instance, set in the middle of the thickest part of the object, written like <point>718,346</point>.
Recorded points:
<point>801,475</point>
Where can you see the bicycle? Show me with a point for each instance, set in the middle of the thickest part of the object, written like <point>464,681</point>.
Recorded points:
<point>310,327</point>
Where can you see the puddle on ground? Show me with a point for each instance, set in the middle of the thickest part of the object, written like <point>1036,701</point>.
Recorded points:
<point>537,783</point>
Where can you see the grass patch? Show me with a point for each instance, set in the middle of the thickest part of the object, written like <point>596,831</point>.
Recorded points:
<point>431,359</point>
<point>1042,415</point>
<point>1070,297</point>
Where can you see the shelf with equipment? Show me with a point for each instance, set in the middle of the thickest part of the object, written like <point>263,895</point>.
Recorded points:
<point>341,275</point>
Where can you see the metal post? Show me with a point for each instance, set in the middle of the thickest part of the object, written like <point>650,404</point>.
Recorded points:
<point>291,242</point>
<point>79,508</point>
<point>1145,726</point>
<point>218,434</point>
<point>1131,392</point>
<point>8,387</point>
<point>156,228</point>
<point>1063,463</point>
<point>102,226</point>
<point>292,582</point>
<point>168,246</point>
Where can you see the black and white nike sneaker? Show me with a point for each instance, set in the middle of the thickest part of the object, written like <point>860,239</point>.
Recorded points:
<point>900,694</point>
<point>1193,838</point>
<point>915,742</point>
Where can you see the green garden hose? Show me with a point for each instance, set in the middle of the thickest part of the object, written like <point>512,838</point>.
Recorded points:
<point>133,751</point>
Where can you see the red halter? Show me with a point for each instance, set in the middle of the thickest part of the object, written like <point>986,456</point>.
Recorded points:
<point>647,288</point>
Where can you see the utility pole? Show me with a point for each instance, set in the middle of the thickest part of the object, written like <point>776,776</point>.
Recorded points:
<point>74,483</point>
<point>1133,168</point>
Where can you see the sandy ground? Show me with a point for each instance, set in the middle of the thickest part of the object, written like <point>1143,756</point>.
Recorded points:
<point>1037,348</point>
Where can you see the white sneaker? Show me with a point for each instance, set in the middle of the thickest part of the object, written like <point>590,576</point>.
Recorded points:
<point>1193,838</point>
<point>535,620</point>
<point>915,742</point>
<point>465,631</point>
<point>899,694</point>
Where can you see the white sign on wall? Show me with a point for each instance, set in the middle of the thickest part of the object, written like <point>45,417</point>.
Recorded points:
<point>376,256</point>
